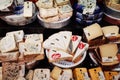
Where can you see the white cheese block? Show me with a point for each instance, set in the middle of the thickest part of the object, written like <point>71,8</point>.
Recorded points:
<point>17,34</point>
<point>56,55</point>
<point>27,12</point>
<point>65,9</point>
<point>41,74</point>
<point>0,73</point>
<point>75,41</point>
<point>44,3</point>
<point>45,13</point>
<point>34,38</point>
<point>110,31</point>
<point>82,47</point>
<point>7,44</point>
<point>30,48</point>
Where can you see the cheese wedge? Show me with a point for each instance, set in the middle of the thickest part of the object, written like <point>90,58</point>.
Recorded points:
<point>108,52</point>
<point>66,37</point>
<point>82,47</point>
<point>75,41</point>
<point>93,31</point>
<point>17,34</point>
<point>34,38</point>
<point>56,55</point>
<point>8,44</point>
<point>41,74</point>
<point>110,31</point>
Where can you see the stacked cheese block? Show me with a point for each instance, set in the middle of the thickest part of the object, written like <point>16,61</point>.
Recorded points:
<point>100,35</point>
<point>65,46</point>
<point>16,50</point>
<point>54,10</point>
<point>104,39</point>
<point>87,12</point>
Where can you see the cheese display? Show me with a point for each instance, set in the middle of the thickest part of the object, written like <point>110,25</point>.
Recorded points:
<point>63,46</point>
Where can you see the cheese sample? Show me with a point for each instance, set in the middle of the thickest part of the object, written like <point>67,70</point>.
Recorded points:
<point>56,55</point>
<point>45,13</point>
<point>27,12</point>
<point>82,47</point>
<point>93,31</point>
<point>5,3</point>
<point>17,34</point>
<point>10,56</point>
<point>62,2</point>
<point>75,41</point>
<point>108,52</point>
<point>51,19</point>
<point>8,44</point>
<point>34,38</point>
<point>96,74</point>
<point>41,74</point>
<point>1,73</point>
<point>66,75</point>
<point>55,74</point>
<point>44,3</point>
<point>81,74</point>
<point>110,31</point>
<point>30,48</point>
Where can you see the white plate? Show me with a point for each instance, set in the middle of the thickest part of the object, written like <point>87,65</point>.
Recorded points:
<point>67,64</point>
<point>5,3</point>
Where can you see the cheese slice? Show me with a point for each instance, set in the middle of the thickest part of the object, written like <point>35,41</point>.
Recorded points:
<point>75,41</point>
<point>56,55</point>
<point>17,34</point>
<point>108,52</point>
<point>28,12</point>
<point>66,37</point>
<point>34,38</point>
<point>82,47</point>
<point>110,31</point>
<point>41,74</point>
<point>30,48</point>
<point>7,44</point>
<point>93,31</point>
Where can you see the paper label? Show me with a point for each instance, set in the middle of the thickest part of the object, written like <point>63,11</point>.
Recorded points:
<point>74,38</point>
<point>110,34</point>
<point>108,59</point>
<point>56,56</point>
<point>101,75</point>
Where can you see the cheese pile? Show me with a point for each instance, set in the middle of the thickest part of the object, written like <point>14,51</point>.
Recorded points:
<point>65,46</point>
<point>54,10</point>
<point>14,46</point>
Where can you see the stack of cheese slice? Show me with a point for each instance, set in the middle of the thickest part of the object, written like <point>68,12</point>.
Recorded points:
<point>64,46</point>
